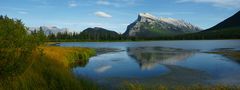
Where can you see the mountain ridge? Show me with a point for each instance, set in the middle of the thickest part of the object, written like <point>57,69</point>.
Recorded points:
<point>233,21</point>
<point>227,29</point>
<point>98,33</point>
<point>148,25</point>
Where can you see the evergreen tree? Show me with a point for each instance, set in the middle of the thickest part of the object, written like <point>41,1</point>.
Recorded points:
<point>15,47</point>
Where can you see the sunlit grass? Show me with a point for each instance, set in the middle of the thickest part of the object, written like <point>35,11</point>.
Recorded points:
<point>50,70</point>
<point>68,55</point>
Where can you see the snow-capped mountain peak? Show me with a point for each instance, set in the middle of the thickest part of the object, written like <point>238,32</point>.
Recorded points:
<point>148,25</point>
<point>147,15</point>
<point>175,22</point>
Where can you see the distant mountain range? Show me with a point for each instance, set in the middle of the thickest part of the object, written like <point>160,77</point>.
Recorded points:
<point>149,26</point>
<point>49,29</point>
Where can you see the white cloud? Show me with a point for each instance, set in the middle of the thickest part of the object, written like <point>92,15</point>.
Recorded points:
<point>102,14</point>
<point>218,3</point>
<point>72,4</point>
<point>23,12</point>
<point>117,3</point>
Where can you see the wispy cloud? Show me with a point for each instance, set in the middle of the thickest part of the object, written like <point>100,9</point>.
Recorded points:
<point>117,3</point>
<point>217,3</point>
<point>102,14</point>
<point>22,12</point>
<point>72,4</point>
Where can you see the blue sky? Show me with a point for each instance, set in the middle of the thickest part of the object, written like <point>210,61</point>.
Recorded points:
<point>115,14</point>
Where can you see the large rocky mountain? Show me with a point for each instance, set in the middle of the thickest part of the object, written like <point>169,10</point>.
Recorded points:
<point>98,33</point>
<point>148,25</point>
<point>49,29</point>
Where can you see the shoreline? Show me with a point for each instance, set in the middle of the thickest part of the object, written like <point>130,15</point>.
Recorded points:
<point>144,40</point>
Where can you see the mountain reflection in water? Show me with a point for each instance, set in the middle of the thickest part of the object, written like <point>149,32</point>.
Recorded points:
<point>149,57</point>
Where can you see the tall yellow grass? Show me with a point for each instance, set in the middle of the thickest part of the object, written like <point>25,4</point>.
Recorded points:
<point>49,70</point>
<point>68,55</point>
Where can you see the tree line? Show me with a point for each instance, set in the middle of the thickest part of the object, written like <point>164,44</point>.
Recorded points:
<point>75,37</point>
<point>85,36</point>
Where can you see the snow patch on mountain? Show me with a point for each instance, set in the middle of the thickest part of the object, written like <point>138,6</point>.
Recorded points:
<point>147,15</point>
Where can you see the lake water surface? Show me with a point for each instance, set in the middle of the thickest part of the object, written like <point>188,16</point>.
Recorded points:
<point>161,62</point>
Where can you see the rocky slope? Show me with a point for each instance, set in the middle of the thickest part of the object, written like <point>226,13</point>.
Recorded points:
<point>148,25</point>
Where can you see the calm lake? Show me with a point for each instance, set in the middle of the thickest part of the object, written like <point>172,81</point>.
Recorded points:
<point>161,62</point>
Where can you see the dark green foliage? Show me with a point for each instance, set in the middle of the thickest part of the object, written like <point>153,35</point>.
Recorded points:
<point>13,33</point>
<point>66,36</point>
<point>224,33</point>
<point>39,36</point>
<point>99,34</point>
<point>15,46</point>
